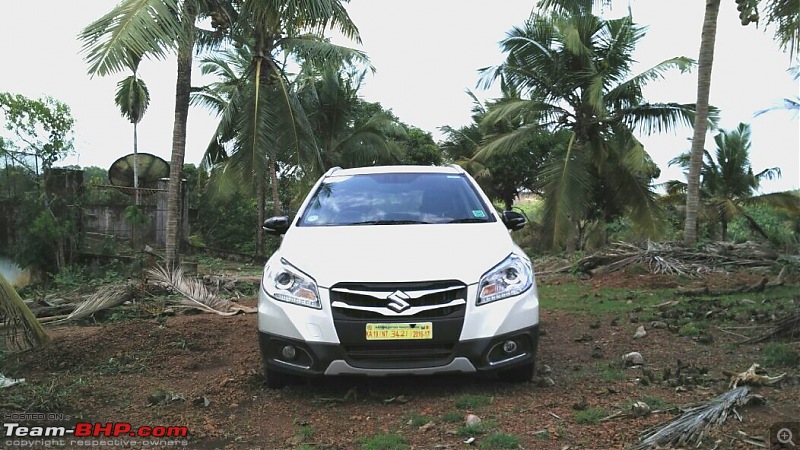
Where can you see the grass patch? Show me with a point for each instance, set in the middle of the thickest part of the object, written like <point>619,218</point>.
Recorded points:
<point>780,355</point>
<point>590,416</point>
<point>453,417</point>
<point>306,432</point>
<point>543,435</point>
<point>657,403</point>
<point>478,429</point>
<point>388,441</point>
<point>47,398</point>
<point>689,329</point>
<point>584,299</point>
<point>472,401</point>
<point>611,372</point>
<point>415,420</point>
<point>500,440</point>
<point>126,363</point>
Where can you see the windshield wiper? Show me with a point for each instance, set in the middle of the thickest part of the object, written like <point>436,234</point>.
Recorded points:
<point>468,220</point>
<point>389,222</point>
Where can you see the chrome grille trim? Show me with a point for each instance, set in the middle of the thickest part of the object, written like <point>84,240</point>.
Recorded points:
<point>407,312</point>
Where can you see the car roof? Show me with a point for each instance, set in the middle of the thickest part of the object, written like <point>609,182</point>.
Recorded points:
<point>451,169</point>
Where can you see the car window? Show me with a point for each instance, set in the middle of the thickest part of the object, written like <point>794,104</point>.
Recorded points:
<point>395,199</point>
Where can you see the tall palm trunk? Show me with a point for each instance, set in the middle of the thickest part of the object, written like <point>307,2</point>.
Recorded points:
<point>135,165</point>
<point>273,178</point>
<point>262,200</point>
<point>182,90</point>
<point>705,63</point>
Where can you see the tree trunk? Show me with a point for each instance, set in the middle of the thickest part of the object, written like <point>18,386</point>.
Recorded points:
<point>705,63</point>
<point>273,177</point>
<point>724,225</point>
<point>262,200</point>
<point>182,89</point>
<point>135,167</point>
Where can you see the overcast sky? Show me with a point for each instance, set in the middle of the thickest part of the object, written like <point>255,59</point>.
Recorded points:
<point>427,54</point>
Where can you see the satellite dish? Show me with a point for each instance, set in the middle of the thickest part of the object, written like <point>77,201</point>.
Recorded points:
<point>151,169</point>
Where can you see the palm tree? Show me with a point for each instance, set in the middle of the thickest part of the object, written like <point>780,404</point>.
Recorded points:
<point>571,71</point>
<point>330,99</point>
<point>262,121</point>
<point>272,119</point>
<point>155,28</point>
<point>784,15</point>
<point>132,98</point>
<point>151,28</point>
<point>728,182</point>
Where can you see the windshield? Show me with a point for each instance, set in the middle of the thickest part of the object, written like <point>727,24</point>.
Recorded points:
<point>395,199</point>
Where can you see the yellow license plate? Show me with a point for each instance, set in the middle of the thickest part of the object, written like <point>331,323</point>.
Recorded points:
<point>399,331</point>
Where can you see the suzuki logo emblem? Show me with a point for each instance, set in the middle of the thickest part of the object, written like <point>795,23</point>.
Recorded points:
<point>397,301</point>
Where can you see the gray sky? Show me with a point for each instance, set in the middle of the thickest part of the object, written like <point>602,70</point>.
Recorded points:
<point>427,54</point>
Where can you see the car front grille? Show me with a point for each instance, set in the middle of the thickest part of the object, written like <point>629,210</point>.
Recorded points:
<point>440,303</point>
<point>425,300</point>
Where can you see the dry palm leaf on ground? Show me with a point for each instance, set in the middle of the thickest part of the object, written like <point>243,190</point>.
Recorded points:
<point>20,329</point>
<point>105,297</point>
<point>690,427</point>
<point>195,293</point>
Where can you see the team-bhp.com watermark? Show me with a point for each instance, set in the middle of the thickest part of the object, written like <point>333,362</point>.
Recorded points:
<point>86,434</point>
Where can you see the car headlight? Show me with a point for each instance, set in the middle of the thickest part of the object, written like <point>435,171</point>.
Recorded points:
<point>511,277</point>
<point>287,283</point>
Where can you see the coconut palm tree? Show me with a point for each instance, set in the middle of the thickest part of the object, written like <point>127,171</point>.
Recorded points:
<point>330,98</point>
<point>132,99</point>
<point>571,71</point>
<point>262,121</point>
<point>155,29</point>
<point>781,15</point>
<point>728,184</point>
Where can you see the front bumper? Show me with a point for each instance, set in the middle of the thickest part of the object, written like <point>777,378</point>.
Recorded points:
<point>407,358</point>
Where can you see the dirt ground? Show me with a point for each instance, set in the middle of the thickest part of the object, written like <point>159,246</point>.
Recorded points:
<point>204,372</point>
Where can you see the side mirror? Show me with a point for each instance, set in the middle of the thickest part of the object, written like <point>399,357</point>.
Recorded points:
<point>276,225</point>
<point>514,221</point>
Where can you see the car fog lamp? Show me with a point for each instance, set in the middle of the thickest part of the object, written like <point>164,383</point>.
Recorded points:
<point>289,352</point>
<point>509,347</point>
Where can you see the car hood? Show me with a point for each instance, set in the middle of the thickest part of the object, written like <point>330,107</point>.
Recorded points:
<point>385,253</point>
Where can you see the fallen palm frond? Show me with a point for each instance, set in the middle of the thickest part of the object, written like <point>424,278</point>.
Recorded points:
<point>788,325</point>
<point>108,296</point>
<point>21,330</point>
<point>195,293</point>
<point>677,259</point>
<point>690,427</point>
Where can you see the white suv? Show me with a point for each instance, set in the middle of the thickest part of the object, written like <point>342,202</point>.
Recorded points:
<point>397,270</point>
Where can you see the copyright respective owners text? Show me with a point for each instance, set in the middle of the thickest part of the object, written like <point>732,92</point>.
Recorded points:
<point>48,430</point>
<point>784,435</point>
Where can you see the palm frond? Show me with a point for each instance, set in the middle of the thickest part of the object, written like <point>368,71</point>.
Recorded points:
<point>142,27</point>
<point>195,294</point>
<point>320,52</point>
<point>105,297</point>
<point>566,186</point>
<point>132,98</point>
<point>787,201</point>
<point>21,330</point>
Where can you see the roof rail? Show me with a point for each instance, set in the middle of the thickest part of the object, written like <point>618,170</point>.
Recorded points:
<point>457,167</point>
<point>332,170</point>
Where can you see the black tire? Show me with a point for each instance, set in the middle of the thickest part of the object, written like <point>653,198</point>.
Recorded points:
<point>519,374</point>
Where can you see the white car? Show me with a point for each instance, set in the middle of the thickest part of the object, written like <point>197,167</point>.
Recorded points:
<point>397,270</point>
